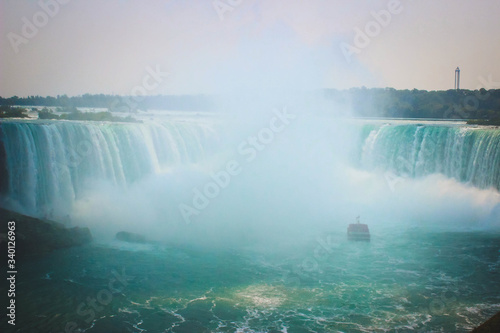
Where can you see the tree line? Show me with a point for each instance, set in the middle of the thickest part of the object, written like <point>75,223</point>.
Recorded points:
<point>448,104</point>
<point>482,105</point>
<point>115,103</point>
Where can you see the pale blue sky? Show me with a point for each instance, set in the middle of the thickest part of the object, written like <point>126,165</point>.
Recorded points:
<point>107,46</point>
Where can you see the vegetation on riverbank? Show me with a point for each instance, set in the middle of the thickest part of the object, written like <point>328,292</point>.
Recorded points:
<point>487,122</point>
<point>7,111</point>
<point>463,104</point>
<point>116,103</point>
<point>78,115</point>
<point>391,103</point>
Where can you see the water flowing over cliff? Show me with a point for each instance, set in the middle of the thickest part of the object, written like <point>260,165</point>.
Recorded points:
<point>469,155</point>
<point>48,164</point>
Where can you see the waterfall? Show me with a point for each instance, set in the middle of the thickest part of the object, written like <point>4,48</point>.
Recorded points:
<point>47,164</point>
<point>468,154</point>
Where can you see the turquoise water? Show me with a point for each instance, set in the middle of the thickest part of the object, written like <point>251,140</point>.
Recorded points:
<point>468,154</point>
<point>269,251</point>
<point>406,280</point>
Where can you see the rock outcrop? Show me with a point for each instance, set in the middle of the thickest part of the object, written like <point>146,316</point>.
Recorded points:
<point>36,236</point>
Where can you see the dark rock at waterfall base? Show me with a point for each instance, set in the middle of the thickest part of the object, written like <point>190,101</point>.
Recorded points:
<point>130,237</point>
<point>36,236</point>
<point>492,325</point>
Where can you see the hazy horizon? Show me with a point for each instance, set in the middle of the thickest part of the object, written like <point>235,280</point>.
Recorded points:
<point>239,93</point>
<point>56,47</point>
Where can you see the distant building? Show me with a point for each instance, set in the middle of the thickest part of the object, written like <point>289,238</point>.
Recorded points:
<point>457,78</point>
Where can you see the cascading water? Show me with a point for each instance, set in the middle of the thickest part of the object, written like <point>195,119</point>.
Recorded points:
<point>49,164</point>
<point>270,251</point>
<point>470,155</point>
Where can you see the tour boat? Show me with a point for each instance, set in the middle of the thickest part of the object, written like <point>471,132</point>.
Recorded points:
<point>358,231</point>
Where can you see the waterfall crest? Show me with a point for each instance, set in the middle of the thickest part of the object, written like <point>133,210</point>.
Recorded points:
<point>469,155</point>
<point>49,163</point>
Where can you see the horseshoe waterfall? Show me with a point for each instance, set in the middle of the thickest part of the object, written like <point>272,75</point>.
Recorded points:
<point>265,247</point>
